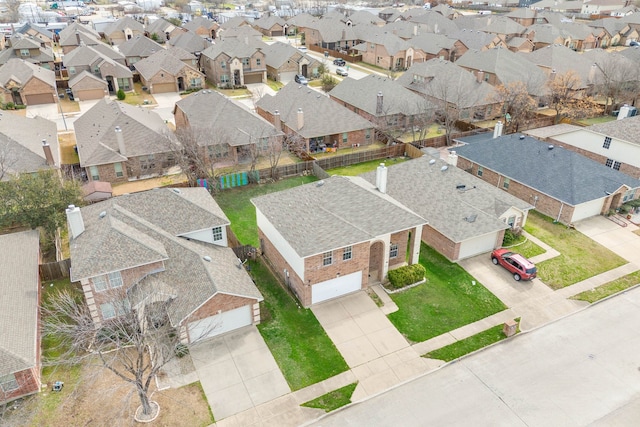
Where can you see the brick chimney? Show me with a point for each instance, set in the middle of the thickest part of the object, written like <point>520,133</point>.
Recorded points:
<point>78,38</point>
<point>47,153</point>
<point>300,118</point>
<point>120,139</point>
<point>277,123</point>
<point>379,103</point>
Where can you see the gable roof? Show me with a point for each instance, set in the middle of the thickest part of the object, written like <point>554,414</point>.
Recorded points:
<point>423,187</point>
<point>31,26</point>
<point>23,71</point>
<point>87,75</point>
<point>21,143</point>
<point>139,46</point>
<point>190,41</point>
<point>499,24</point>
<point>365,17</point>
<point>562,174</point>
<point>334,206</point>
<point>396,99</point>
<point>626,129</point>
<point>473,39</point>
<point>211,110</point>
<point>267,22</point>
<point>244,32</point>
<point>432,43</point>
<point>19,41</point>
<point>145,227</point>
<point>122,24</point>
<point>19,305</point>
<point>143,130</point>
<point>278,53</point>
<point>198,22</point>
<point>551,131</point>
<point>434,22</point>
<point>234,48</point>
<point>323,116</point>
<point>562,59</point>
<point>237,21</point>
<point>391,43</point>
<point>161,61</point>
<point>546,33</point>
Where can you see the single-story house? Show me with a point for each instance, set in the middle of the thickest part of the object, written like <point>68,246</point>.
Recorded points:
<point>165,245</point>
<point>163,72</point>
<point>285,61</point>
<point>24,83</point>
<point>333,237</point>
<point>86,86</point>
<point>20,320</point>
<point>558,182</point>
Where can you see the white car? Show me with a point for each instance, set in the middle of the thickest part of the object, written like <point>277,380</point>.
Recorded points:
<point>341,72</point>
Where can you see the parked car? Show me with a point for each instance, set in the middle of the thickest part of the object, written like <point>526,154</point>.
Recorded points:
<point>339,62</point>
<point>301,79</point>
<point>341,72</point>
<point>516,264</point>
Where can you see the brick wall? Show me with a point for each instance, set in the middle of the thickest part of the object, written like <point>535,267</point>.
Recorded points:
<point>107,173</point>
<point>440,243</point>
<point>36,86</point>
<point>219,303</point>
<point>28,383</point>
<point>402,240</point>
<point>279,264</point>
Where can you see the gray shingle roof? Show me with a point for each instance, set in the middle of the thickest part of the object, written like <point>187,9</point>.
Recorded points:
<point>145,227</point>
<point>563,60</point>
<point>397,99</point>
<point>276,54</point>
<point>391,43</point>
<point>122,24</point>
<point>551,131</point>
<point>143,130</point>
<point>23,71</point>
<point>434,22</point>
<point>160,61</point>
<point>243,32</point>
<point>21,143</point>
<point>322,115</point>
<point>432,43</point>
<point>215,112</point>
<point>89,56</point>
<point>627,129</point>
<point>42,30</point>
<point>190,41</point>
<point>45,54</point>
<point>316,218</point>
<point>19,305</point>
<point>87,75</point>
<point>139,46</point>
<point>559,173</point>
<point>424,188</point>
<point>267,22</point>
<point>200,21</point>
<point>473,39</point>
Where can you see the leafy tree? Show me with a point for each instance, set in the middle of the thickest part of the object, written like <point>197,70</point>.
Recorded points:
<point>38,200</point>
<point>155,37</point>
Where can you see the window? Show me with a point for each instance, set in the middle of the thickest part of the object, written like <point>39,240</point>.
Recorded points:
<point>628,195</point>
<point>124,84</point>
<point>480,170</point>
<point>217,234</point>
<point>367,134</point>
<point>347,254</point>
<point>613,164</point>
<point>108,311</point>
<point>107,281</point>
<point>115,279</point>
<point>511,221</point>
<point>327,258</point>
<point>96,70</point>
<point>258,61</point>
<point>116,308</point>
<point>196,82</point>
<point>8,383</point>
<point>93,171</point>
<point>24,52</point>
<point>72,70</point>
<point>486,77</point>
<point>100,283</point>
<point>217,151</point>
<point>223,65</point>
<point>147,162</point>
<point>607,142</point>
<point>506,183</point>
<point>224,78</point>
<point>246,62</point>
<point>344,137</point>
<point>118,168</point>
<point>393,250</point>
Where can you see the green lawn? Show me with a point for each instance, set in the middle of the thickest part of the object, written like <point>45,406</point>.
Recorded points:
<point>236,204</point>
<point>580,257</point>
<point>608,289</point>
<point>596,120</point>
<point>275,85</point>
<point>447,301</point>
<point>361,168</point>
<point>301,347</point>
<point>527,249</point>
<point>468,345</point>
<point>334,399</point>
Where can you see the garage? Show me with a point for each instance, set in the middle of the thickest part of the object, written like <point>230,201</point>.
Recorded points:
<point>477,245</point>
<point>87,94</point>
<point>220,323</point>
<point>287,77</point>
<point>587,210</point>
<point>252,78</point>
<point>163,87</point>
<point>336,287</point>
<point>41,98</point>
<point>277,33</point>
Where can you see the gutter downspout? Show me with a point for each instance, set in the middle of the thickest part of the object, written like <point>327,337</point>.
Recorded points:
<point>560,213</point>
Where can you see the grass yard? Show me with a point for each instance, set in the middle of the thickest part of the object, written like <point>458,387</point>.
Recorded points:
<point>468,345</point>
<point>236,204</point>
<point>67,143</point>
<point>334,399</point>
<point>235,93</point>
<point>299,344</point>
<point>275,85</point>
<point>138,96</point>
<point>596,120</point>
<point>580,257</point>
<point>608,289</point>
<point>361,168</point>
<point>527,249</point>
<point>447,301</point>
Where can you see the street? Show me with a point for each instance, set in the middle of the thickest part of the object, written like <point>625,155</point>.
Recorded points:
<point>581,370</point>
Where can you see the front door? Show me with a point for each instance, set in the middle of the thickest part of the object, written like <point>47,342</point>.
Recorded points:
<point>180,84</point>
<point>376,262</point>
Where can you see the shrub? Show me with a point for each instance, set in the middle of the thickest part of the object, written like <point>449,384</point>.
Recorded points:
<point>328,82</point>
<point>121,95</point>
<point>407,275</point>
<point>181,350</point>
<point>511,237</point>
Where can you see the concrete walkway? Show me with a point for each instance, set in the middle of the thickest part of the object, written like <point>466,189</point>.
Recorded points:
<point>535,303</point>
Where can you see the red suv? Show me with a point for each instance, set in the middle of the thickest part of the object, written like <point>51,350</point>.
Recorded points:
<point>516,264</point>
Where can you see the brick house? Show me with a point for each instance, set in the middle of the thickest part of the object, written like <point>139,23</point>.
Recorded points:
<point>162,72</point>
<point>41,33</point>
<point>203,27</point>
<point>270,26</point>
<point>86,86</point>
<point>314,121</point>
<point>118,142</point>
<point>235,62</point>
<point>322,247</point>
<point>122,30</point>
<point>20,321</point>
<point>439,46</point>
<point>285,61</point>
<point>560,183</point>
<point>24,83</point>
<point>226,132</point>
<point>75,35</point>
<point>29,48</point>
<point>162,30</point>
<point>137,49</point>
<point>388,51</point>
<point>163,245</point>
<point>110,69</point>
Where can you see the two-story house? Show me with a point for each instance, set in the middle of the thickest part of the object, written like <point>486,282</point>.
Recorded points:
<point>235,62</point>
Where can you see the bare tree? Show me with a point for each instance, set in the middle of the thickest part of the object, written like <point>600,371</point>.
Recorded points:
<point>616,80</point>
<point>7,160</point>
<point>134,344</point>
<point>516,102</point>
<point>13,10</point>
<point>567,99</point>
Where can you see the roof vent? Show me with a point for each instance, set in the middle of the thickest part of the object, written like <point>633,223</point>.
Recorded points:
<point>320,184</point>
<point>444,168</point>
<point>432,161</point>
<point>521,137</point>
<point>102,214</point>
<point>471,218</point>
<point>176,190</point>
<point>460,187</point>
<point>207,258</point>
<point>551,147</point>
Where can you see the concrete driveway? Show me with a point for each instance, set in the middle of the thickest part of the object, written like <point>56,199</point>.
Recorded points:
<point>620,240</point>
<point>237,372</point>
<point>166,102</point>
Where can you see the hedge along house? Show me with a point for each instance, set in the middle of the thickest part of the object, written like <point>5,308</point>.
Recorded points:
<point>466,216</point>
<point>163,245</point>
<point>558,182</point>
<point>334,237</point>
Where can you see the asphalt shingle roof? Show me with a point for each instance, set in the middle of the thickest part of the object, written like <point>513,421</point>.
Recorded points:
<point>562,174</point>
<point>322,115</point>
<point>23,71</point>
<point>19,305</point>
<point>327,215</point>
<point>139,46</point>
<point>160,61</point>
<point>21,143</point>
<point>190,41</point>
<point>626,129</point>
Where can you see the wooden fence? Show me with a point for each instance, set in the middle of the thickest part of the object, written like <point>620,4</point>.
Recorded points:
<point>335,53</point>
<point>55,270</point>
<point>361,156</point>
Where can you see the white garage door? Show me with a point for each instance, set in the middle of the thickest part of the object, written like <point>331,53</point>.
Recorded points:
<point>287,77</point>
<point>336,287</point>
<point>477,245</point>
<point>587,210</point>
<point>220,323</point>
